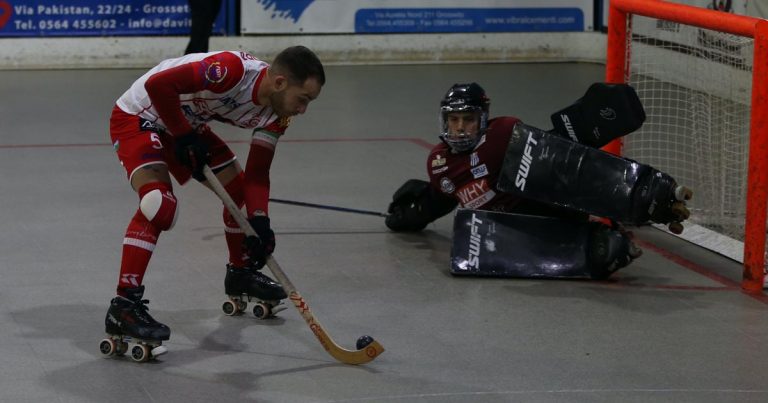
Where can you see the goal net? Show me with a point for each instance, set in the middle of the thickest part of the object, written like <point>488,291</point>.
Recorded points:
<point>695,83</point>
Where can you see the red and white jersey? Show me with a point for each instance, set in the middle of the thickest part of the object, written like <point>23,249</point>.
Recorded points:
<point>180,94</point>
<point>471,177</point>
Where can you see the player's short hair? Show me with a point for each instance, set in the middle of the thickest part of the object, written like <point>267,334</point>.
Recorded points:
<point>298,63</point>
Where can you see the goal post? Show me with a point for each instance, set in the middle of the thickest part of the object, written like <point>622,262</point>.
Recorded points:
<point>707,126</point>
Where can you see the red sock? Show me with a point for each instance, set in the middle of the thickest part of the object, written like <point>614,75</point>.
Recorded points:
<point>232,232</point>
<point>138,244</point>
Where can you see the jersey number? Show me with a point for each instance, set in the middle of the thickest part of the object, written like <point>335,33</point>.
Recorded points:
<point>155,139</point>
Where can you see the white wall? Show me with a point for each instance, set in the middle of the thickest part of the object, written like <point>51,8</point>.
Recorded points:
<point>144,52</point>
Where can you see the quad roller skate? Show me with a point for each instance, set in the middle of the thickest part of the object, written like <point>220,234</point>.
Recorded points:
<point>243,285</point>
<point>129,327</point>
<point>668,206</point>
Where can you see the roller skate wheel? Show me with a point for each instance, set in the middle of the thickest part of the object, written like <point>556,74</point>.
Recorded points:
<point>159,350</point>
<point>140,353</point>
<point>107,347</point>
<point>261,310</point>
<point>229,308</point>
<point>675,228</point>
<point>682,212</point>
<point>683,193</point>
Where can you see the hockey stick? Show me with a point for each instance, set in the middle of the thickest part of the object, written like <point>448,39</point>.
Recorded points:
<point>327,207</point>
<point>368,348</point>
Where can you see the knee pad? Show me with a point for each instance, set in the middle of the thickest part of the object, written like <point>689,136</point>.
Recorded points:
<point>159,205</point>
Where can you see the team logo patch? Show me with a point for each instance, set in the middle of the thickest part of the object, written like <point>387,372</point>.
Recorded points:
<point>215,73</point>
<point>474,159</point>
<point>438,161</point>
<point>479,172</point>
<point>446,185</point>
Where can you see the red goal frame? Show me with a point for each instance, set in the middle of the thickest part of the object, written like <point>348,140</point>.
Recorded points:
<point>617,71</point>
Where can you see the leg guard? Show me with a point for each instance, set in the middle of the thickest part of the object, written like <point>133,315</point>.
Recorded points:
<point>551,169</point>
<point>159,205</point>
<point>513,245</point>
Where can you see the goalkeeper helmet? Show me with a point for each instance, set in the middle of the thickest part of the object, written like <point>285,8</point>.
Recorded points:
<point>463,116</point>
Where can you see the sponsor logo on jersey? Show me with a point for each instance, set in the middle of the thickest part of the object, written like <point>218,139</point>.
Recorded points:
<point>479,172</point>
<point>525,163</point>
<point>446,185</point>
<point>474,159</point>
<point>439,170</point>
<point>229,102</point>
<point>568,127</point>
<point>475,240</point>
<point>438,161</point>
<point>215,73</point>
<point>254,121</point>
<point>146,125</point>
<point>475,194</point>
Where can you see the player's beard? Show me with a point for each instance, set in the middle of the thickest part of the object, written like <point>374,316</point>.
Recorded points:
<point>277,100</point>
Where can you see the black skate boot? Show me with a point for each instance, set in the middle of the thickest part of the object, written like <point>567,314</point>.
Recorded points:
<point>610,250</point>
<point>667,201</point>
<point>244,284</point>
<point>127,322</point>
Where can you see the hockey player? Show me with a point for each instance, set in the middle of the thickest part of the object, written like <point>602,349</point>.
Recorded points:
<point>466,169</point>
<point>158,129</point>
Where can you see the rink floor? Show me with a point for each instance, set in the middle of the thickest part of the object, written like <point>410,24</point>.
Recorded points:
<point>673,327</point>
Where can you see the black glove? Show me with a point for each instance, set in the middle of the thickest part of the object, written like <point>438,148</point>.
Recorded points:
<point>258,248</point>
<point>407,218</point>
<point>405,211</point>
<point>414,205</point>
<point>192,152</point>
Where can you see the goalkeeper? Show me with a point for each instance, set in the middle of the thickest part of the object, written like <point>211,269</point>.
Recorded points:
<point>481,164</point>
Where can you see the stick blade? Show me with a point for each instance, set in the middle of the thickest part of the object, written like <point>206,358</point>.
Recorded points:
<point>357,357</point>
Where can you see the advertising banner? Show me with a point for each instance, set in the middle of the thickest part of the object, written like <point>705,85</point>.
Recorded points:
<point>414,16</point>
<point>25,18</point>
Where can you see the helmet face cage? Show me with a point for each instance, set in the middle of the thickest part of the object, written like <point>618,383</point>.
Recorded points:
<point>464,98</point>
